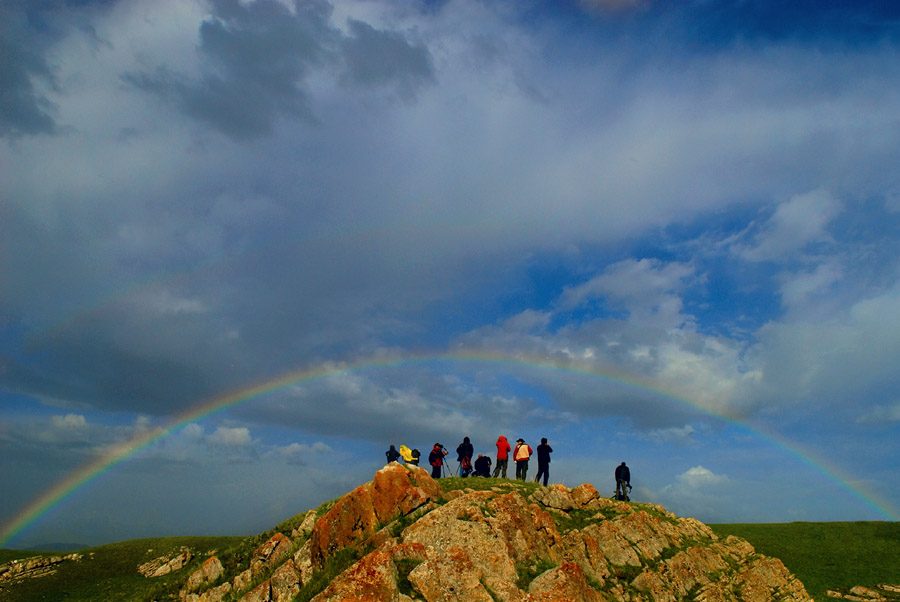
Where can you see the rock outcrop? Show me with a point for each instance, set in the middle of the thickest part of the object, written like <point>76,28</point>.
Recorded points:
<point>37,566</point>
<point>860,593</point>
<point>164,565</point>
<point>401,538</point>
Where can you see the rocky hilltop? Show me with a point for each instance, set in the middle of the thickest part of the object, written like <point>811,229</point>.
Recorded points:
<point>401,538</point>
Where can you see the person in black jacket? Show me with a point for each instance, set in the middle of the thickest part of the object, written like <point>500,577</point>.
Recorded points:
<point>482,466</point>
<point>392,455</point>
<point>623,481</point>
<point>464,457</point>
<point>543,455</point>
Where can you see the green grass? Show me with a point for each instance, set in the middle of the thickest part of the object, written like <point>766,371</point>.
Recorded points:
<point>827,556</point>
<point>334,566</point>
<point>404,567</point>
<point>526,572</point>
<point>9,555</point>
<point>449,484</point>
<point>109,573</point>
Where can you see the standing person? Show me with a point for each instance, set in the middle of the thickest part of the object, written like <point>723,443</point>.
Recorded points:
<point>503,450</point>
<point>543,454</point>
<point>520,455</point>
<point>436,459</point>
<point>392,455</point>
<point>464,456</point>
<point>623,480</point>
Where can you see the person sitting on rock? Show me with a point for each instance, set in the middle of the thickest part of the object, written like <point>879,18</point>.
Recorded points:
<point>482,466</point>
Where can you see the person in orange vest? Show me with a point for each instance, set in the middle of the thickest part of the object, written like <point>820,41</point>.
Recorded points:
<point>521,455</point>
<point>503,450</point>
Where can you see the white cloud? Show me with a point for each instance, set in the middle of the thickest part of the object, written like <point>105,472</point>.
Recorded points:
<point>699,477</point>
<point>681,435</point>
<point>237,437</point>
<point>799,287</point>
<point>68,422</point>
<point>849,355</point>
<point>647,288</point>
<point>305,453</point>
<point>881,414</point>
<point>798,222</point>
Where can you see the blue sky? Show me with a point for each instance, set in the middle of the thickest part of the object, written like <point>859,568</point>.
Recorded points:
<point>697,198</point>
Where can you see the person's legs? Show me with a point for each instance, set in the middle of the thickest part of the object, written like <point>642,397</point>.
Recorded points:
<point>543,470</point>
<point>522,470</point>
<point>435,472</point>
<point>505,464</point>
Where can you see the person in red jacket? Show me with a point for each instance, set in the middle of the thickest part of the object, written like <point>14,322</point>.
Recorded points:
<point>521,455</point>
<point>503,450</point>
<point>436,459</point>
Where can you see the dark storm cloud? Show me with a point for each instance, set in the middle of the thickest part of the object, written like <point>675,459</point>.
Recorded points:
<point>258,56</point>
<point>383,58</point>
<point>23,109</point>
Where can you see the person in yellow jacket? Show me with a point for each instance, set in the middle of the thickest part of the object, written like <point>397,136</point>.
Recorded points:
<point>521,455</point>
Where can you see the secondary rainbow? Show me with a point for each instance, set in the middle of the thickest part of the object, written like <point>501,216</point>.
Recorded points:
<point>78,478</point>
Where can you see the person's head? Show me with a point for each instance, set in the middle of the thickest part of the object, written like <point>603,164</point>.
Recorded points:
<point>465,439</point>
<point>392,448</point>
<point>623,463</point>
<point>544,440</point>
<point>520,440</point>
<point>480,455</point>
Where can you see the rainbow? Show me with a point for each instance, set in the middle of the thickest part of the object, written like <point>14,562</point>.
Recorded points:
<point>119,453</point>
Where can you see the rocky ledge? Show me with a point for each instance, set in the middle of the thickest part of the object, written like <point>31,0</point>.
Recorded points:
<point>37,566</point>
<point>860,593</point>
<point>401,538</point>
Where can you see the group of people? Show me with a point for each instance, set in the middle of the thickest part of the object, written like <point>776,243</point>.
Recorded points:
<point>481,466</point>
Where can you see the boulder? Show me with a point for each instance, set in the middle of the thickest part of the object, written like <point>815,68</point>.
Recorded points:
<point>270,554</point>
<point>396,490</point>
<point>209,571</point>
<point>372,578</point>
<point>565,582</point>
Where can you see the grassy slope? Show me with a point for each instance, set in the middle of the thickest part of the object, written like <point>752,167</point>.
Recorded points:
<point>826,556</point>
<point>111,574</point>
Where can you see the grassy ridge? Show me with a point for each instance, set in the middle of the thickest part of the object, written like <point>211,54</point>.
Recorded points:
<point>109,573</point>
<point>827,556</point>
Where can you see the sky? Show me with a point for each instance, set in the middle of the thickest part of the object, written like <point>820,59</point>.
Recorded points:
<point>246,245</point>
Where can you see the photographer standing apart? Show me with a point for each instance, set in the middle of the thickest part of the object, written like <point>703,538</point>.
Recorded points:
<point>623,481</point>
